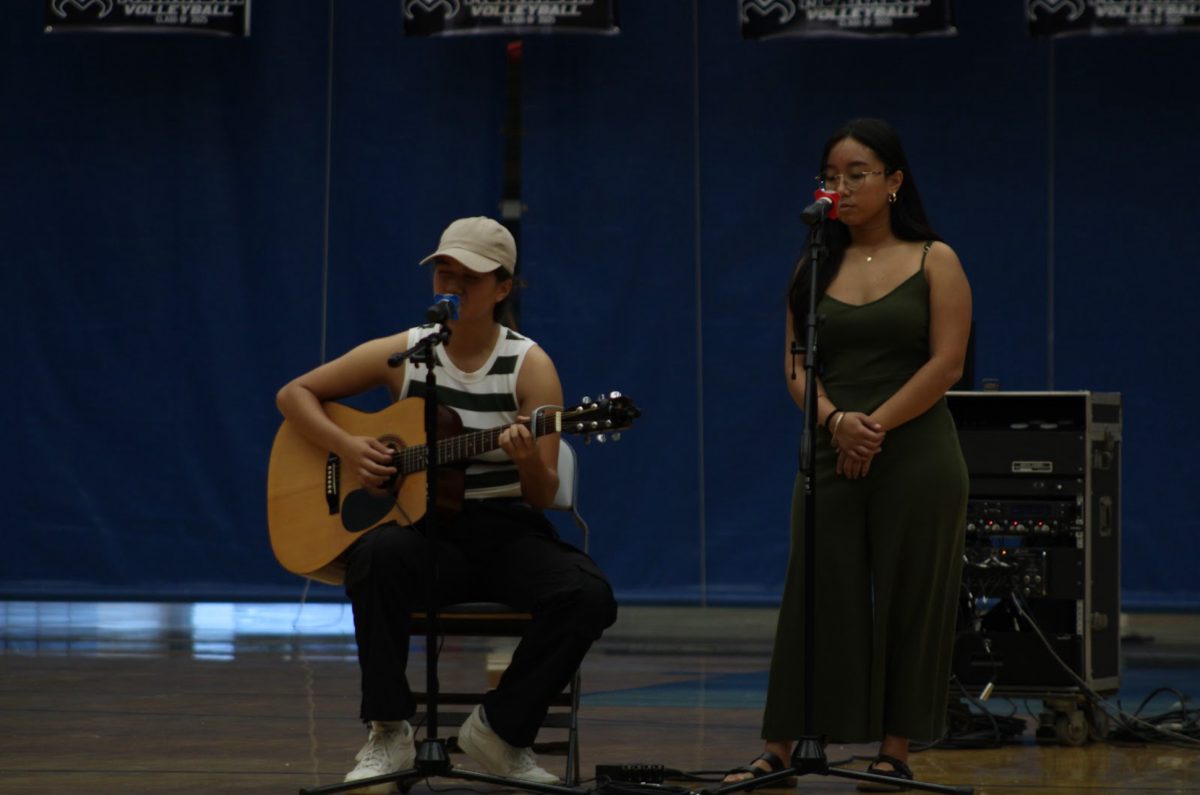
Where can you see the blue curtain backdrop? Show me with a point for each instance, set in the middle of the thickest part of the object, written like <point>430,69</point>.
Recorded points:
<point>188,222</point>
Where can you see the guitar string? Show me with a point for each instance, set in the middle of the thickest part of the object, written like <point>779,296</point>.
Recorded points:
<point>412,459</point>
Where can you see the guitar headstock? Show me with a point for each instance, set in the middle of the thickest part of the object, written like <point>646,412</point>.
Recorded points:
<point>604,417</point>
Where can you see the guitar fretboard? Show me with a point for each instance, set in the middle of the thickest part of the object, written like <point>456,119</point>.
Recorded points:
<point>466,445</point>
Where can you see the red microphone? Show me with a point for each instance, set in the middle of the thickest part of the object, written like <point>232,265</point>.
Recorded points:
<point>825,206</point>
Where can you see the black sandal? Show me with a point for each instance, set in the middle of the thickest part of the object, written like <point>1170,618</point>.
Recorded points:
<point>773,762</point>
<point>900,771</point>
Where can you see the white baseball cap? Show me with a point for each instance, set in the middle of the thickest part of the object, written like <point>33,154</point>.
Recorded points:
<point>481,244</point>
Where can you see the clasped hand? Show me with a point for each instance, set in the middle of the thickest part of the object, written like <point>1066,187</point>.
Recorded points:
<point>858,440</point>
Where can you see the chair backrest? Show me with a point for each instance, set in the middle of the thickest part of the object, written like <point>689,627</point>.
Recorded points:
<point>568,477</point>
<point>568,486</point>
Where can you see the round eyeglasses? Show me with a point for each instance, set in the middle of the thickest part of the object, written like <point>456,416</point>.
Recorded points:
<point>852,181</point>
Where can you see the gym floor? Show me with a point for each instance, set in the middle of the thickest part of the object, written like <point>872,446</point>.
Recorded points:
<point>112,697</point>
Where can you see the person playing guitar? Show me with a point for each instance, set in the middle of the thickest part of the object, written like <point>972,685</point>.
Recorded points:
<point>499,547</point>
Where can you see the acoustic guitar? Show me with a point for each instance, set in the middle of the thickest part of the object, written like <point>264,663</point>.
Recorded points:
<point>315,511</point>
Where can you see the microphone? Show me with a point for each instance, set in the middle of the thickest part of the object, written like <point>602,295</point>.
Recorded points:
<point>825,206</point>
<point>445,307</point>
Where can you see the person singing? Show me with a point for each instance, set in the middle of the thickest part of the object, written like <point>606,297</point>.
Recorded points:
<point>501,547</point>
<point>891,484</point>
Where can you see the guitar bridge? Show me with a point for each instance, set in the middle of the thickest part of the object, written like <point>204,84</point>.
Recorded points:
<point>333,483</point>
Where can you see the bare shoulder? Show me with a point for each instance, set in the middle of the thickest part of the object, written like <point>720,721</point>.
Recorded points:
<point>942,265</point>
<point>538,365</point>
<point>942,257</point>
<point>538,379</point>
<point>537,357</point>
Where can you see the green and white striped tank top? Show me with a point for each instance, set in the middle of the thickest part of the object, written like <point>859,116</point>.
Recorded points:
<point>485,398</point>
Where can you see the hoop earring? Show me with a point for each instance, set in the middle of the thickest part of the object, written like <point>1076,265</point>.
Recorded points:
<point>892,197</point>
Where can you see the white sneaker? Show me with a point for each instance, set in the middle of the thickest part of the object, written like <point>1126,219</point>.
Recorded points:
<point>497,757</point>
<point>387,751</point>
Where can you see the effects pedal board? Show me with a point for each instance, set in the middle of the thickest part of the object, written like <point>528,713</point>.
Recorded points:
<point>634,774</point>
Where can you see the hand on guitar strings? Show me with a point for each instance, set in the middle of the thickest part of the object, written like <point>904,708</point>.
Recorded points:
<point>369,459</point>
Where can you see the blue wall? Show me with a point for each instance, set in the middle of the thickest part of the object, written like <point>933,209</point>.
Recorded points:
<point>187,223</point>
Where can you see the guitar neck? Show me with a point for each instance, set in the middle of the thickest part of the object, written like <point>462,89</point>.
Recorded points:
<point>468,445</point>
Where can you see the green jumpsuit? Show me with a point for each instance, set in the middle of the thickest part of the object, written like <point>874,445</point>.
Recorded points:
<point>888,546</point>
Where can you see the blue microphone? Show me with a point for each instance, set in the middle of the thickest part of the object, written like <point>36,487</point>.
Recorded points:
<point>445,307</point>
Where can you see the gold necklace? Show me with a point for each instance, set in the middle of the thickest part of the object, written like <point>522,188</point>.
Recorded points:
<point>871,257</point>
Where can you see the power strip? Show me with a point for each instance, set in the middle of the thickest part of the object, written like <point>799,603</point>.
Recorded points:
<point>639,774</point>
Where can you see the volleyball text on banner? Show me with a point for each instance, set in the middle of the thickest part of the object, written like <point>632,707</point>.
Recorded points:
<point>219,17</point>
<point>1069,17</point>
<point>762,19</point>
<point>466,17</point>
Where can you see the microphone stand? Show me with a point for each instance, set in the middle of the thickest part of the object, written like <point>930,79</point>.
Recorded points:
<point>808,757</point>
<point>432,758</point>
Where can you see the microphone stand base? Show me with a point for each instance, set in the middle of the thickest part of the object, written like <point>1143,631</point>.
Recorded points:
<point>808,758</point>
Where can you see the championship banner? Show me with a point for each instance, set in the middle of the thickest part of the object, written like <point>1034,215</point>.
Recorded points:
<point>763,19</point>
<point>467,17</point>
<point>220,17</point>
<point>1067,17</point>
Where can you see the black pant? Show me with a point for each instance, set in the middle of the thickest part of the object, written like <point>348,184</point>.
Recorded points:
<point>495,550</point>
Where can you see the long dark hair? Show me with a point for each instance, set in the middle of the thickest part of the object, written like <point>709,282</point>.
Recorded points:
<point>907,212</point>
<point>505,312</point>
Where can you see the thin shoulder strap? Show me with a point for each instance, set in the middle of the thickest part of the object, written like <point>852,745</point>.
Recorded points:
<point>925,253</point>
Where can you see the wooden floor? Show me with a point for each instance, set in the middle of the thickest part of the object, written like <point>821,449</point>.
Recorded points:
<point>223,698</point>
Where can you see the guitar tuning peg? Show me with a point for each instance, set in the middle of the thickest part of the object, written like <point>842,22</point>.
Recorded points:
<point>608,423</point>
<point>614,395</point>
<point>615,436</point>
<point>601,438</point>
<point>586,400</point>
<point>594,425</point>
